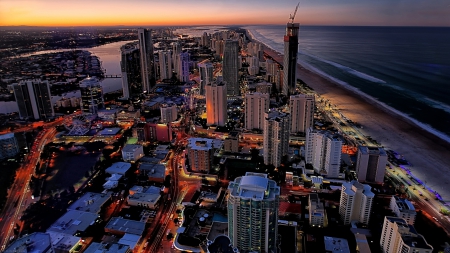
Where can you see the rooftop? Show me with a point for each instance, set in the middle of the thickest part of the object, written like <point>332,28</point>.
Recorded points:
<point>6,136</point>
<point>404,204</point>
<point>255,186</point>
<point>204,143</point>
<point>96,247</point>
<point>131,147</point>
<point>73,221</point>
<point>38,242</point>
<point>90,202</point>
<point>89,82</point>
<point>336,245</point>
<point>125,226</point>
<point>153,170</point>
<point>110,131</point>
<point>118,168</point>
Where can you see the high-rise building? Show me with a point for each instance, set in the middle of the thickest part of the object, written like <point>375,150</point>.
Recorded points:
<point>168,113</point>
<point>230,67</point>
<point>397,236</point>
<point>183,67</point>
<point>371,164</point>
<point>91,95</point>
<point>200,152</point>
<point>131,70</point>
<point>176,51</point>
<point>205,40</point>
<point>256,105</point>
<point>147,59</point>
<point>253,213</point>
<point>276,137</point>
<point>8,146</point>
<point>356,202</point>
<point>253,68</point>
<point>323,152</point>
<point>165,64</point>
<point>317,213</point>
<point>302,110</point>
<point>206,75</point>
<point>403,209</point>
<point>290,58</point>
<point>33,99</point>
<point>216,104</point>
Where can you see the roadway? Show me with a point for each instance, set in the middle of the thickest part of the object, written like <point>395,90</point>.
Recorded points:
<point>20,194</point>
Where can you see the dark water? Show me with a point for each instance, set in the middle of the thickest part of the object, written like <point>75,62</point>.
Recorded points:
<point>404,68</point>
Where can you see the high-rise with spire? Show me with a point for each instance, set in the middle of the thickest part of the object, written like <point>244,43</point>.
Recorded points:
<point>147,59</point>
<point>290,58</point>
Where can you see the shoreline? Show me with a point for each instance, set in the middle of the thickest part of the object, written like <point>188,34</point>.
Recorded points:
<point>423,149</point>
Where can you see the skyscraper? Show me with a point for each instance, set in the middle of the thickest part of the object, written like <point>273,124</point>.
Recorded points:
<point>131,70</point>
<point>371,164</point>
<point>33,99</point>
<point>216,104</point>
<point>290,58</point>
<point>302,110</point>
<point>399,237</point>
<point>176,51</point>
<point>323,152</point>
<point>230,67</point>
<point>147,59</point>
<point>165,64</point>
<point>206,75</point>
<point>256,105</point>
<point>183,67</point>
<point>276,137</point>
<point>253,213</point>
<point>91,95</point>
<point>356,202</point>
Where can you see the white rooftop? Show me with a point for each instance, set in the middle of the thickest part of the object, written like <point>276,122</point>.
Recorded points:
<point>118,168</point>
<point>131,147</point>
<point>204,143</point>
<point>6,136</point>
<point>89,82</point>
<point>253,186</point>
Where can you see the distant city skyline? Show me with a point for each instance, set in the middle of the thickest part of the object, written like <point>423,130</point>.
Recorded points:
<point>221,12</point>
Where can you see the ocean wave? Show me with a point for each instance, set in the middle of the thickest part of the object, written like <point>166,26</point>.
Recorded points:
<point>436,104</point>
<point>355,90</point>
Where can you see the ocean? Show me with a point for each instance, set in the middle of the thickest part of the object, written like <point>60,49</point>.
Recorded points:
<point>405,69</point>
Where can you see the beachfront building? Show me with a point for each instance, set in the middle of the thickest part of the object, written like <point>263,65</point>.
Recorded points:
<point>253,213</point>
<point>206,75</point>
<point>131,70</point>
<point>371,164</point>
<point>323,152</point>
<point>356,202</point>
<point>230,67</point>
<point>256,105</point>
<point>404,209</point>
<point>33,99</point>
<point>147,59</point>
<point>216,104</point>
<point>165,64</point>
<point>397,236</point>
<point>302,110</point>
<point>276,137</point>
<point>317,214</point>
<point>200,153</point>
<point>168,112</point>
<point>290,58</point>
<point>91,95</point>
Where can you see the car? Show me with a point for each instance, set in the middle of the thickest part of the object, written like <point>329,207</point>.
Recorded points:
<point>434,218</point>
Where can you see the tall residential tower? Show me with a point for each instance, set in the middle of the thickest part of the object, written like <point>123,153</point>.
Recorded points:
<point>290,58</point>
<point>33,99</point>
<point>302,110</point>
<point>216,104</point>
<point>231,67</point>
<point>147,59</point>
<point>276,137</point>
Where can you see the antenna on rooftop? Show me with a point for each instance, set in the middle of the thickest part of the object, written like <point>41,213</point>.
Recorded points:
<point>292,16</point>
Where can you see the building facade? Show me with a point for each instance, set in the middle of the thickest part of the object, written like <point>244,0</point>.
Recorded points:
<point>230,69</point>
<point>200,153</point>
<point>323,152</point>
<point>206,75</point>
<point>256,105</point>
<point>397,236</point>
<point>33,99</point>
<point>290,58</point>
<point>8,146</point>
<point>356,202</point>
<point>91,95</point>
<point>317,214</point>
<point>131,70</point>
<point>276,137</point>
<point>183,67</point>
<point>216,104</point>
<point>302,110</point>
<point>168,113</point>
<point>165,64</point>
<point>147,59</point>
<point>253,213</point>
<point>371,164</point>
<point>403,209</point>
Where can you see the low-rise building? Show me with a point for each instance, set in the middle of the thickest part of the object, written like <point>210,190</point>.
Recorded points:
<point>403,209</point>
<point>144,199</point>
<point>155,172</point>
<point>90,202</point>
<point>118,168</point>
<point>336,245</point>
<point>231,143</point>
<point>120,226</point>
<point>8,146</point>
<point>73,222</point>
<point>132,152</point>
<point>200,153</point>
<point>97,247</point>
<point>38,242</point>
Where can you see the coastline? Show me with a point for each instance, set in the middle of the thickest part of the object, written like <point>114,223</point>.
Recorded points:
<point>423,149</point>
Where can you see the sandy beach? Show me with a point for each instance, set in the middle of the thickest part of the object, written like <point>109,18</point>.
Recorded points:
<point>427,153</point>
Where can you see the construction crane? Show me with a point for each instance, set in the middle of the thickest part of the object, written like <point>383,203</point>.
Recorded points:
<point>291,17</point>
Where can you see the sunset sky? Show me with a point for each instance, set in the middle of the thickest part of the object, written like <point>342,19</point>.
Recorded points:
<point>223,12</point>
